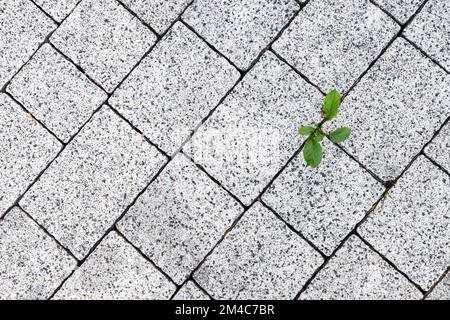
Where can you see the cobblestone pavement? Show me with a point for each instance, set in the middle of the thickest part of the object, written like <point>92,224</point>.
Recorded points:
<point>149,149</point>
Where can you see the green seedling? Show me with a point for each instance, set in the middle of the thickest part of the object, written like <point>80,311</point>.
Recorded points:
<point>312,150</point>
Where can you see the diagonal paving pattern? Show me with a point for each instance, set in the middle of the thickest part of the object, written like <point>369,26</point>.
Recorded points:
<point>149,149</point>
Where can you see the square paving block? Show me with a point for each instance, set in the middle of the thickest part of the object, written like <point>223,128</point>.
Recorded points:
<point>253,133</point>
<point>190,291</point>
<point>116,271</point>
<point>58,9</point>
<point>261,258</point>
<point>439,148</point>
<point>180,218</point>
<point>104,39</point>
<point>332,42</point>
<point>91,183</point>
<point>412,227</point>
<point>56,93</point>
<point>402,10</point>
<point>174,88</point>
<point>240,29</point>
<point>442,290</point>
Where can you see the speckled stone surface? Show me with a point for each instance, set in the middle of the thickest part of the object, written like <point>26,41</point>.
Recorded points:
<point>411,229</point>
<point>26,148</point>
<point>32,263</point>
<point>23,28</point>
<point>159,14</point>
<point>180,218</point>
<point>190,291</point>
<point>104,39</point>
<point>253,133</point>
<point>56,93</point>
<point>395,110</point>
<point>57,9</point>
<point>442,290</point>
<point>174,88</point>
<point>324,204</point>
<point>332,42</point>
<point>92,182</point>
<point>116,271</point>
<point>439,148</point>
<point>356,272</point>
<point>240,29</point>
<point>261,258</point>
<point>430,30</point>
<point>402,10</point>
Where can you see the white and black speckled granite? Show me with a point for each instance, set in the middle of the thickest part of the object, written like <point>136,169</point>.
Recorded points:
<point>26,148</point>
<point>395,110</point>
<point>253,133</point>
<point>104,39</point>
<point>32,264</point>
<point>23,28</point>
<point>261,258</point>
<point>116,271</point>
<point>333,42</point>
<point>57,9</point>
<point>326,203</point>
<point>56,93</point>
<point>174,88</point>
<point>439,148</point>
<point>402,10</point>
<point>92,182</point>
<point>240,29</point>
<point>180,218</point>
<point>412,228</point>
<point>190,291</point>
<point>356,272</point>
<point>442,290</point>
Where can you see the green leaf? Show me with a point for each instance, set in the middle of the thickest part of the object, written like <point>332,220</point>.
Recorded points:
<point>340,135</point>
<point>306,130</point>
<point>319,136</point>
<point>312,152</point>
<point>331,104</point>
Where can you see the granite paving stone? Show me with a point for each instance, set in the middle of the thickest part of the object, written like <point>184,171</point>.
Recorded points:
<point>240,29</point>
<point>442,290</point>
<point>402,10</point>
<point>56,93</point>
<point>57,9</point>
<point>174,88</point>
<point>439,148</point>
<point>261,258</point>
<point>411,228</point>
<point>190,291</point>
<point>92,182</point>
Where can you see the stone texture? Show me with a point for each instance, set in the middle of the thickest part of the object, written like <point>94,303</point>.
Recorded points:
<point>358,273</point>
<point>92,182</point>
<point>58,9</point>
<point>240,29</point>
<point>261,258</point>
<point>253,133</point>
<point>56,93</point>
<point>190,291</point>
<point>32,264</point>
<point>332,42</point>
<point>174,88</point>
<point>104,39</point>
<point>402,10</point>
<point>442,290</point>
<point>439,148</point>
<point>23,28</point>
<point>180,218</point>
<point>411,228</point>
<point>26,149</point>
<point>395,110</point>
<point>116,271</point>
<point>326,203</point>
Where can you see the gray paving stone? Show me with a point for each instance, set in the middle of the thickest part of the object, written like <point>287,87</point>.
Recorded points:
<point>190,291</point>
<point>26,148</point>
<point>23,28</point>
<point>439,148</point>
<point>180,218</point>
<point>356,272</point>
<point>253,133</point>
<point>333,42</point>
<point>411,229</point>
<point>174,88</point>
<point>402,10</point>
<point>159,14</point>
<point>58,9</point>
<point>32,264</point>
<point>92,182</point>
<point>430,31</point>
<point>442,290</point>
<point>116,271</point>
<point>240,29</point>
<point>261,258</point>
<point>56,93</point>
<point>395,110</point>
<point>104,39</point>
<point>326,203</point>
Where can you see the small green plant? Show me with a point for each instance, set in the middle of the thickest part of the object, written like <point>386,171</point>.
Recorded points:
<point>312,150</point>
